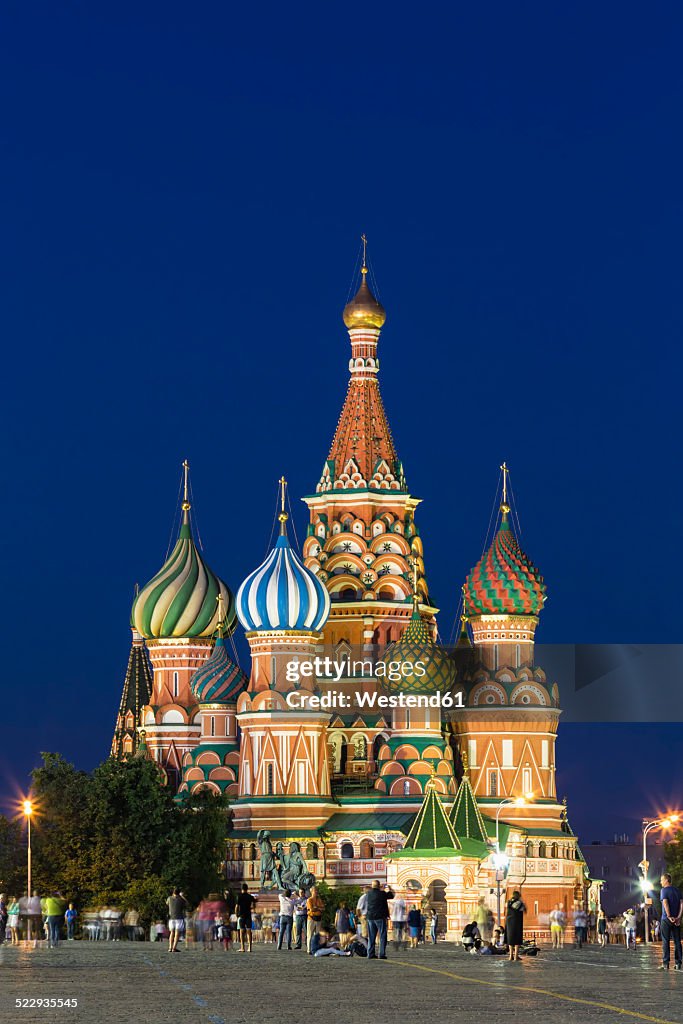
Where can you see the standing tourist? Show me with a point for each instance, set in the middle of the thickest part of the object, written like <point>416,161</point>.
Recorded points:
<point>672,909</point>
<point>4,915</point>
<point>300,913</point>
<point>414,917</point>
<point>34,918</point>
<point>70,916</point>
<point>378,915</point>
<point>177,908</point>
<point>433,924</point>
<point>13,920</point>
<point>244,909</point>
<point>314,911</point>
<point>342,922</point>
<point>398,920</point>
<point>286,919</point>
<point>581,925</point>
<point>558,922</point>
<point>630,928</point>
<point>514,924</point>
<point>54,910</point>
<point>602,928</point>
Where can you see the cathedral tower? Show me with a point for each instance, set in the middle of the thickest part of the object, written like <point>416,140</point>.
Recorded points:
<point>177,614</point>
<point>362,539</point>
<point>284,778</point>
<point>509,725</point>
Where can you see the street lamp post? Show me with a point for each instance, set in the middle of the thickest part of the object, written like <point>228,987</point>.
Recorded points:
<point>501,860</point>
<point>648,826</point>
<point>28,811</point>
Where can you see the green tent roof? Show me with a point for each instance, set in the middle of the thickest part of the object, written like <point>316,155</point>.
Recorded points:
<point>431,829</point>
<point>465,815</point>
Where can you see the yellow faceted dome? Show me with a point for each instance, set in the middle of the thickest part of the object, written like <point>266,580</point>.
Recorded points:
<point>364,310</point>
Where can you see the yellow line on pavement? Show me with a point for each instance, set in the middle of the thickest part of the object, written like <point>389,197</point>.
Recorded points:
<point>537,991</point>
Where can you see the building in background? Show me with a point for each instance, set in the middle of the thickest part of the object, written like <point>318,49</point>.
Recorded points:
<point>414,795</point>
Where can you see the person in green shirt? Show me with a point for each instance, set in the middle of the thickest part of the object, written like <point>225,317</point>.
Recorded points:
<point>55,906</point>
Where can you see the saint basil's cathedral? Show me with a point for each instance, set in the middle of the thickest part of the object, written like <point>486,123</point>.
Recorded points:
<point>414,796</point>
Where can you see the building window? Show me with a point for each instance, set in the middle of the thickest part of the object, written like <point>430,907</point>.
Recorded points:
<point>529,849</point>
<point>269,779</point>
<point>472,752</point>
<point>518,655</point>
<point>246,788</point>
<point>493,783</point>
<point>175,684</point>
<point>213,725</point>
<point>526,780</point>
<point>312,851</point>
<point>545,752</point>
<point>346,851</point>
<point>553,850</point>
<point>507,754</point>
<point>406,787</point>
<point>367,850</point>
<point>542,850</point>
<point>495,657</point>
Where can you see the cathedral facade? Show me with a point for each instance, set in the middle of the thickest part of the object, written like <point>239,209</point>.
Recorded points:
<point>425,799</point>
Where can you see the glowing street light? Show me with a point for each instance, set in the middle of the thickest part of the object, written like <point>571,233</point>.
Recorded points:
<point>668,822</point>
<point>27,807</point>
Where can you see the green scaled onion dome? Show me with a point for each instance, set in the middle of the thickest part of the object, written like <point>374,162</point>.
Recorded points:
<point>432,669</point>
<point>182,599</point>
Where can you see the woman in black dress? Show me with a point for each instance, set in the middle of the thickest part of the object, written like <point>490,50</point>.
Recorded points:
<point>514,924</point>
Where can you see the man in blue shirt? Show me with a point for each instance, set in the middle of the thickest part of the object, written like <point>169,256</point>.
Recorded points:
<point>672,908</point>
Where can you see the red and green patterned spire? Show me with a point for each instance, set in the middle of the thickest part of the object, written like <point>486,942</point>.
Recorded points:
<point>504,581</point>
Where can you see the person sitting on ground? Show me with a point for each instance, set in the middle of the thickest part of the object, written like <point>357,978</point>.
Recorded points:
<point>471,938</point>
<point>327,946</point>
<point>500,946</point>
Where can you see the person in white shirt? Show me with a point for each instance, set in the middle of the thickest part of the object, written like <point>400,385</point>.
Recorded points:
<point>398,920</point>
<point>630,929</point>
<point>558,923</point>
<point>286,919</point>
<point>362,914</point>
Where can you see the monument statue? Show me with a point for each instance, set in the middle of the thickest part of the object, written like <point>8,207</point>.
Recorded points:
<point>269,867</point>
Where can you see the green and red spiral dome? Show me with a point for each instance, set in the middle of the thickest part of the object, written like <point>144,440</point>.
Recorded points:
<point>504,581</point>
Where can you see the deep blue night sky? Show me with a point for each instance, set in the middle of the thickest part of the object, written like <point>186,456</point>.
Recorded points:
<point>183,190</point>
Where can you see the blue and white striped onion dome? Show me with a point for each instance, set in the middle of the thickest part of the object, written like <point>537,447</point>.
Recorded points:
<point>219,679</point>
<point>180,601</point>
<point>283,594</point>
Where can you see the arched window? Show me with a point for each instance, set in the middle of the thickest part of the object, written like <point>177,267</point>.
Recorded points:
<point>312,851</point>
<point>367,850</point>
<point>406,787</point>
<point>346,851</point>
<point>239,853</point>
<point>529,849</point>
<point>252,851</point>
<point>542,849</point>
<point>553,850</point>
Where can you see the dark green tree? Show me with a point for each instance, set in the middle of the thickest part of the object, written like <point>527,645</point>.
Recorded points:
<point>62,833</point>
<point>673,855</point>
<point>12,857</point>
<point>197,845</point>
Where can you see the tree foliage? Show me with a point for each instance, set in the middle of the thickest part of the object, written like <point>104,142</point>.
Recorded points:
<point>116,836</point>
<point>673,854</point>
<point>12,857</point>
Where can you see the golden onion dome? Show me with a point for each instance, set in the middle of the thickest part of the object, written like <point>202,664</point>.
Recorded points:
<point>364,310</point>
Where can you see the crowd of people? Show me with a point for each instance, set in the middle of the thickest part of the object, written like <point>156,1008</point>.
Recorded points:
<point>364,930</point>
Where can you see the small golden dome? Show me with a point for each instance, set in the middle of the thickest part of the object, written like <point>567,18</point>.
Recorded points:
<point>364,310</point>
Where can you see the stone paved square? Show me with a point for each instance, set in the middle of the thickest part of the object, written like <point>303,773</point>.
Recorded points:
<point>122,983</point>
